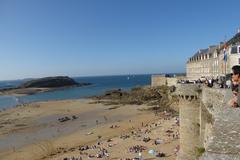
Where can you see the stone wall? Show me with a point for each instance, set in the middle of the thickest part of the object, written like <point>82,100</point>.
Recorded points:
<point>189,121</point>
<point>206,121</point>
<point>159,80</point>
<point>171,81</point>
<point>221,139</point>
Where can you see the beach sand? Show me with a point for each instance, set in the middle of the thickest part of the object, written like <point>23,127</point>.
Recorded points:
<point>24,91</point>
<point>35,131</point>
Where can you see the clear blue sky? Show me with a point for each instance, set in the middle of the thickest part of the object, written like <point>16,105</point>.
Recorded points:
<point>105,37</point>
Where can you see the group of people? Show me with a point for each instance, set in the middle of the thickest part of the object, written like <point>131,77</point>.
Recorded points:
<point>209,82</point>
<point>235,101</point>
<point>216,83</point>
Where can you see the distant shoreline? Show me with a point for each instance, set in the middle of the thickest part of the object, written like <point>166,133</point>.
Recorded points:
<point>31,91</point>
<point>96,87</point>
<point>44,84</point>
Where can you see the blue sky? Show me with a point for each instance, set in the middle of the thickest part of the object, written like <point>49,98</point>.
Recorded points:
<point>107,37</point>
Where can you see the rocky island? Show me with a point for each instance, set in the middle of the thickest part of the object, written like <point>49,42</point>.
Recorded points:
<point>42,85</point>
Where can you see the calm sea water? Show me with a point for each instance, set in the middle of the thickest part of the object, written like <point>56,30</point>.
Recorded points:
<point>100,85</point>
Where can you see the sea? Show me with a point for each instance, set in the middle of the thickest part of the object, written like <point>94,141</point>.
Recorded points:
<point>100,84</point>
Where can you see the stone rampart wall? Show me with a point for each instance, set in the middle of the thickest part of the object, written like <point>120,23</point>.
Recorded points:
<point>221,140</point>
<point>158,80</point>
<point>206,121</point>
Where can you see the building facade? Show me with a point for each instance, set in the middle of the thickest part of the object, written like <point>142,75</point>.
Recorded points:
<point>210,63</point>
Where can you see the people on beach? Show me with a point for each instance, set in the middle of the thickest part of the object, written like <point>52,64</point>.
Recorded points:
<point>235,101</point>
<point>105,118</point>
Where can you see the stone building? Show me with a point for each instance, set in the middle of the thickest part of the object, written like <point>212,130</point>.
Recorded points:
<point>209,62</point>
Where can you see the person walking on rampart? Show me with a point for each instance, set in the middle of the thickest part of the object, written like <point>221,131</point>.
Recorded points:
<point>235,101</point>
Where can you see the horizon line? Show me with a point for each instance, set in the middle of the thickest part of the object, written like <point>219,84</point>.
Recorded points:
<point>106,75</point>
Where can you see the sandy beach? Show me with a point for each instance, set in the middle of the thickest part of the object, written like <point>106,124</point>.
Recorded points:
<point>23,91</point>
<point>80,128</point>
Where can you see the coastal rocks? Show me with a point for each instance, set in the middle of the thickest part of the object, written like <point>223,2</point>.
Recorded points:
<point>114,93</point>
<point>136,95</point>
<point>158,97</point>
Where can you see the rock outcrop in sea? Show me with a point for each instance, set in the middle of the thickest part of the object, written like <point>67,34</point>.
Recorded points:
<point>42,85</point>
<point>51,82</point>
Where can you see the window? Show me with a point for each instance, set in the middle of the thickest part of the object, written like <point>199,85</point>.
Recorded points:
<point>210,55</point>
<point>234,50</point>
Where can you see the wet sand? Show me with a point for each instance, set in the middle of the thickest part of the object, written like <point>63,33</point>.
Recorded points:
<point>23,91</point>
<point>34,131</point>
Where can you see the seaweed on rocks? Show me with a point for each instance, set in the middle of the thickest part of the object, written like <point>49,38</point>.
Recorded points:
<point>159,98</point>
